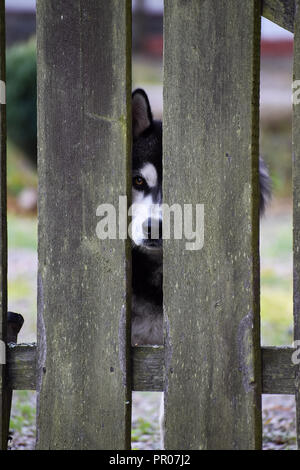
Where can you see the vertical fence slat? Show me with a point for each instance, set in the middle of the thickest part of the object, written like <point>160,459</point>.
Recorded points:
<point>84,97</point>
<point>211,296</point>
<point>296,203</point>
<point>5,395</point>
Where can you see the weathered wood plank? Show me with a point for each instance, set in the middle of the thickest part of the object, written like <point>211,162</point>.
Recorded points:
<point>84,99</point>
<point>148,374</point>
<point>281,12</point>
<point>5,394</point>
<point>278,371</point>
<point>296,202</point>
<point>148,369</point>
<point>21,366</point>
<point>211,296</point>
<point>13,326</point>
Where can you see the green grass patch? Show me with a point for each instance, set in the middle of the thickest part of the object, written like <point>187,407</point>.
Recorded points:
<point>282,245</point>
<point>276,279</point>
<point>145,72</point>
<point>276,310</point>
<point>20,174</point>
<point>142,430</point>
<point>19,288</point>
<point>22,232</point>
<point>269,279</point>
<point>276,149</point>
<point>23,412</point>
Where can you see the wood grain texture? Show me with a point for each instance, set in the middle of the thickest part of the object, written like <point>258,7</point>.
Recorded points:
<point>296,201</point>
<point>5,393</point>
<point>148,372</point>
<point>84,122</point>
<point>281,12</point>
<point>278,371</point>
<point>21,366</point>
<point>211,296</point>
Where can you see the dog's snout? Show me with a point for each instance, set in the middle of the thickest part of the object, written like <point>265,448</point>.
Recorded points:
<point>153,229</point>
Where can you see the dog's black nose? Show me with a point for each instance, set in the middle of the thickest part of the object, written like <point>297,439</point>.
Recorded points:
<point>154,229</point>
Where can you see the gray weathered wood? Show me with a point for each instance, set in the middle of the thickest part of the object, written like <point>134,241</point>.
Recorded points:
<point>281,12</point>
<point>296,199</point>
<point>21,365</point>
<point>84,135</point>
<point>148,369</point>
<point>278,371</point>
<point>211,296</point>
<point>148,374</point>
<point>5,393</point>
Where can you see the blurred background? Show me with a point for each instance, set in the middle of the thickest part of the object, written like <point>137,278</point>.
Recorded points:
<point>276,226</point>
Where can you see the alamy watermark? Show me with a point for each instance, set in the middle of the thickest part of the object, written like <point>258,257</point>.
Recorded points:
<point>152,222</point>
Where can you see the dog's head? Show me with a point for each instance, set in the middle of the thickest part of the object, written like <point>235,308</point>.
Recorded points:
<point>146,176</point>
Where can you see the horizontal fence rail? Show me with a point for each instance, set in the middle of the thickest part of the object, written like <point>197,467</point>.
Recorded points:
<point>279,374</point>
<point>281,12</point>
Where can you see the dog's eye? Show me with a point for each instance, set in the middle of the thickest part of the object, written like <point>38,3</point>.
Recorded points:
<point>139,182</point>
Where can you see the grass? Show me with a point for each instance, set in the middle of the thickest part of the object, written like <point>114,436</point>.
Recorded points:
<point>276,314</point>
<point>280,244</point>
<point>23,412</point>
<point>276,280</point>
<point>20,173</point>
<point>276,149</point>
<point>19,289</point>
<point>22,232</point>
<point>142,430</point>
<point>147,72</point>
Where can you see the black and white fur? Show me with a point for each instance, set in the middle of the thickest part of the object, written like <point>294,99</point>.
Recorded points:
<point>147,317</point>
<point>147,313</point>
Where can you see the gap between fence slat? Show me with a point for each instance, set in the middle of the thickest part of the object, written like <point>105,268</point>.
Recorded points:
<point>5,393</point>
<point>296,201</point>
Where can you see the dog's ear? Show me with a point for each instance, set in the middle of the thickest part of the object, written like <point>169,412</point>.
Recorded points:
<point>141,113</point>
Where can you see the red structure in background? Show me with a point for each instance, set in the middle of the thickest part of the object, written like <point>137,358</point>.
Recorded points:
<point>153,45</point>
<point>277,47</point>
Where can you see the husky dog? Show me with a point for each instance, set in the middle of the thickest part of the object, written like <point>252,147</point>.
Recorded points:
<point>147,317</point>
<point>147,312</point>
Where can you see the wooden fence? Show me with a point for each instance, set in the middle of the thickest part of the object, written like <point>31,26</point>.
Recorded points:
<point>212,367</point>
